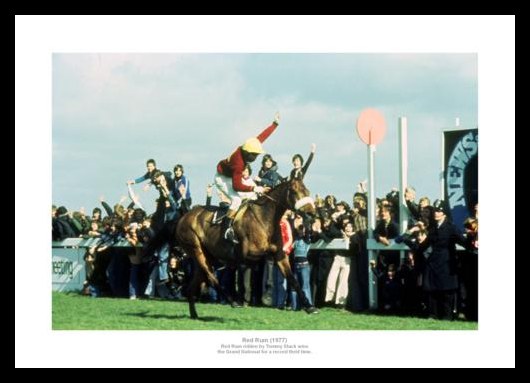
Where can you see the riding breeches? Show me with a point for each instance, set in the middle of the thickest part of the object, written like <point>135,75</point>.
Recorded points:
<point>224,185</point>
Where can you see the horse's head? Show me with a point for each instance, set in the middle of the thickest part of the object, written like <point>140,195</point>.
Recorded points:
<point>298,197</point>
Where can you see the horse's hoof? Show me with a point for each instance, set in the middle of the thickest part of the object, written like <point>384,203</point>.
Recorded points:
<point>236,305</point>
<point>312,310</point>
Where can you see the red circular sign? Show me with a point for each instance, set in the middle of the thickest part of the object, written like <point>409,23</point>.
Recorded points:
<point>371,126</point>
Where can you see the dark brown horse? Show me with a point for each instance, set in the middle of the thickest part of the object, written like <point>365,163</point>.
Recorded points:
<point>257,229</point>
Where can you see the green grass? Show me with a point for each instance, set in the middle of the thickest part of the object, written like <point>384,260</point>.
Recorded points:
<point>75,312</point>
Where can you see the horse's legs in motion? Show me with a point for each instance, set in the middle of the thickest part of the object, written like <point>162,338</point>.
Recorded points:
<point>194,290</point>
<point>205,270</point>
<point>201,273</point>
<point>285,269</point>
<point>214,282</point>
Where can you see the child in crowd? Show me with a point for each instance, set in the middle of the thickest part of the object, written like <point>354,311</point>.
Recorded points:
<point>302,270</point>
<point>247,181</point>
<point>300,169</point>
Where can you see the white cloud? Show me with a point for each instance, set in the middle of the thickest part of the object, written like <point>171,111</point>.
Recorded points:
<point>195,109</point>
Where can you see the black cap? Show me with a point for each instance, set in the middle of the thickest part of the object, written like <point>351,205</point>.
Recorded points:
<point>439,205</point>
<point>61,211</point>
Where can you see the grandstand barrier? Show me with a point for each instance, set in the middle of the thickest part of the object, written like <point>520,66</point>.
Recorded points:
<point>68,269</point>
<point>372,244</point>
<point>74,243</point>
<point>335,244</point>
<point>68,266</point>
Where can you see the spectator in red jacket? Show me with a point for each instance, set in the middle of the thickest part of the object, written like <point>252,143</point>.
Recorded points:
<point>229,175</point>
<point>279,290</point>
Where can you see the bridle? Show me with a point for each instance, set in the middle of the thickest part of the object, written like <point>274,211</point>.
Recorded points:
<point>298,205</point>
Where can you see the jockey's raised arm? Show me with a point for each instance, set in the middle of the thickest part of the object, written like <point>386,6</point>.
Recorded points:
<point>229,177</point>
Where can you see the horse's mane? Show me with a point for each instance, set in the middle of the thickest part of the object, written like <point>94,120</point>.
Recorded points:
<point>275,191</point>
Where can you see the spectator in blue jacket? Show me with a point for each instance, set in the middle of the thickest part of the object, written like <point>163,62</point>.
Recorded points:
<point>151,169</point>
<point>302,269</point>
<point>268,174</point>
<point>181,188</point>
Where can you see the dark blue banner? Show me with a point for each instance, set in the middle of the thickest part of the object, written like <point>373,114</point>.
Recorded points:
<point>461,173</point>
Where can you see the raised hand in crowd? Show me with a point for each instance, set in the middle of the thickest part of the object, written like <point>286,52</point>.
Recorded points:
<point>277,118</point>
<point>361,188</point>
<point>409,195</point>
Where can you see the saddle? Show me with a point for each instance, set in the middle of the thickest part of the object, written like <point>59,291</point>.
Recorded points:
<point>219,212</point>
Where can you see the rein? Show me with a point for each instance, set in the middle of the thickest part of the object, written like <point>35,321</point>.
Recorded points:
<point>296,207</point>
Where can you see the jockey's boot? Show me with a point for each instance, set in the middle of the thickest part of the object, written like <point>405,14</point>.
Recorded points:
<point>228,230</point>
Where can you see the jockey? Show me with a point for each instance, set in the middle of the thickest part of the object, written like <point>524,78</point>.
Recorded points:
<point>229,177</point>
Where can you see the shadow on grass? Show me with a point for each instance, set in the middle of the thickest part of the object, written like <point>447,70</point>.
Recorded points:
<point>145,314</point>
<point>73,293</point>
<point>417,315</point>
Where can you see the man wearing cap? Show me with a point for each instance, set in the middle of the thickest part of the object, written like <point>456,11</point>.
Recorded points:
<point>440,275</point>
<point>229,178</point>
<point>61,225</point>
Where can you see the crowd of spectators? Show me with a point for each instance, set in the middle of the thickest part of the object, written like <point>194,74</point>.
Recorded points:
<point>433,279</point>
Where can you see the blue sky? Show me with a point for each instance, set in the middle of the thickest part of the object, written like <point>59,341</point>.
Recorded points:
<point>111,112</point>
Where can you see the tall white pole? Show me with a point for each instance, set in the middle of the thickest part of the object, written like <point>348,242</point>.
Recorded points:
<point>403,178</point>
<point>403,173</point>
<point>372,281</point>
<point>371,191</point>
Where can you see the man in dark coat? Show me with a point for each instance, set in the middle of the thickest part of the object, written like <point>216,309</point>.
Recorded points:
<point>61,225</point>
<point>440,274</point>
